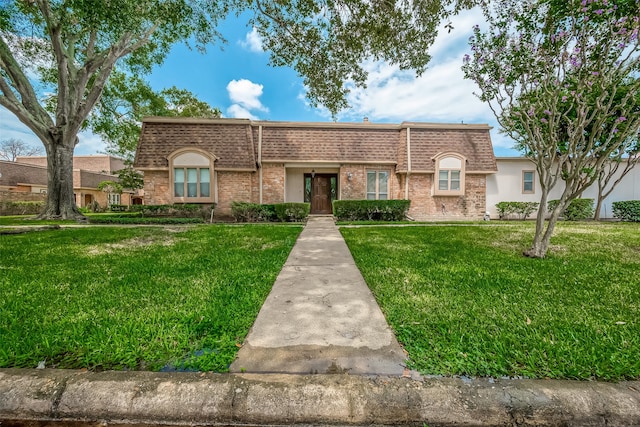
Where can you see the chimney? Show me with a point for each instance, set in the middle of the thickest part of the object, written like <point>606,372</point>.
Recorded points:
<point>365,120</point>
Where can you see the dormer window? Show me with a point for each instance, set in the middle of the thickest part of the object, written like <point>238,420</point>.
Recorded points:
<point>449,176</point>
<point>191,176</point>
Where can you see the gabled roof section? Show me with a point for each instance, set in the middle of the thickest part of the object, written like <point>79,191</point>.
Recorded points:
<point>427,141</point>
<point>330,142</point>
<point>230,140</point>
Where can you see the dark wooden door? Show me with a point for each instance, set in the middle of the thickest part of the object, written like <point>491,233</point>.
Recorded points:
<point>321,194</point>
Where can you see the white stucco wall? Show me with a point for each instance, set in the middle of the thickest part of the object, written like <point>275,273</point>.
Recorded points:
<point>506,186</point>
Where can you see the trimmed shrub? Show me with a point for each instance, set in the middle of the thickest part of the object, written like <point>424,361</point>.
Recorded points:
<point>143,220</point>
<point>176,210</point>
<point>522,209</point>
<point>370,210</point>
<point>292,212</point>
<point>628,210</point>
<point>252,212</point>
<point>578,209</point>
<point>21,208</point>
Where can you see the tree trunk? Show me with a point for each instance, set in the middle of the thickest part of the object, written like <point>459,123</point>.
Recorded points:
<point>596,214</point>
<point>542,237</point>
<point>61,203</point>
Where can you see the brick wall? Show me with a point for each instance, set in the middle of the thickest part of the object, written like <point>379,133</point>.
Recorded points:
<point>273,183</point>
<point>233,187</point>
<point>157,188</point>
<point>425,206</point>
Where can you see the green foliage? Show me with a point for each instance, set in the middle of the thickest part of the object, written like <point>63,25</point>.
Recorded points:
<point>110,187</point>
<point>143,298</point>
<point>176,210</point>
<point>569,107</point>
<point>628,210</point>
<point>125,101</point>
<point>363,210</point>
<point>255,212</point>
<point>462,301</point>
<point>577,210</point>
<point>143,220</point>
<point>522,209</point>
<point>252,212</point>
<point>130,178</point>
<point>20,208</point>
<point>292,212</point>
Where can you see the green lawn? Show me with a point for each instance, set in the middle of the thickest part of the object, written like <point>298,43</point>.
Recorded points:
<point>464,301</point>
<point>135,298</point>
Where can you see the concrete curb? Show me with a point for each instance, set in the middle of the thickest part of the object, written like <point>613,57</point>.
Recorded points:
<point>254,399</point>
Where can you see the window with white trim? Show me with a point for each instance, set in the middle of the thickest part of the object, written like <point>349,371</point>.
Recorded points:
<point>377,185</point>
<point>191,176</point>
<point>114,199</point>
<point>450,169</point>
<point>528,178</point>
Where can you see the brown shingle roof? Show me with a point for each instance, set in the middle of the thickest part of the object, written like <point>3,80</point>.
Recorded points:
<point>235,143</point>
<point>472,141</point>
<point>329,144</point>
<point>229,140</point>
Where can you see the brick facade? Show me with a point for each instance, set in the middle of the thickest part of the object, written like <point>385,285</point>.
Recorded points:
<point>233,187</point>
<point>273,177</point>
<point>156,188</point>
<point>266,155</point>
<point>425,205</point>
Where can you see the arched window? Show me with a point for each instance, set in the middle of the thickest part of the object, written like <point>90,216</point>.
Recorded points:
<point>191,175</point>
<point>449,176</point>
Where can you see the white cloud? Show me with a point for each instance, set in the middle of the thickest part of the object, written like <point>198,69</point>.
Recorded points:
<point>245,97</point>
<point>246,93</point>
<point>238,112</point>
<point>252,41</point>
<point>441,94</point>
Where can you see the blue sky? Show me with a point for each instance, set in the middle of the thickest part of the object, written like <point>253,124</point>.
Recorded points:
<point>237,79</point>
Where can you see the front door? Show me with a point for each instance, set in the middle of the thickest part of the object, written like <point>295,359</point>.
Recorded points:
<point>322,192</point>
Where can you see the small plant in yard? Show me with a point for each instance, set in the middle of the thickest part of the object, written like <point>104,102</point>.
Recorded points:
<point>135,298</point>
<point>627,210</point>
<point>463,301</point>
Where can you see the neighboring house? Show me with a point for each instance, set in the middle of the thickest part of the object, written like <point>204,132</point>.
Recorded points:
<point>94,163</point>
<point>517,180</point>
<point>21,181</point>
<point>441,168</point>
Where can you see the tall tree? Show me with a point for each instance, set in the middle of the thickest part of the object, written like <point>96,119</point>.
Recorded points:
<point>325,41</point>
<point>11,148</point>
<point>127,99</point>
<point>560,77</point>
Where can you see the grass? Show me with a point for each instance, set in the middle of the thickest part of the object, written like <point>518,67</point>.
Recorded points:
<point>464,301</point>
<point>135,298</point>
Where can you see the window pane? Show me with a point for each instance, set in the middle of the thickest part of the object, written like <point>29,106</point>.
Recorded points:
<point>455,180</point>
<point>527,184</point>
<point>383,178</point>
<point>192,182</point>
<point>443,181</point>
<point>178,183</point>
<point>371,182</point>
<point>205,180</point>
<point>371,185</point>
<point>307,189</point>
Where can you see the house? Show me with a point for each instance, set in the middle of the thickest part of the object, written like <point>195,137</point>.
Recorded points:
<point>517,180</point>
<point>441,168</point>
<point>95,163</point>
<point>26,180</point>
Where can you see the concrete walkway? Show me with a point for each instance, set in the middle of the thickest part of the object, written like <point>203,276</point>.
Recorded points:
<point>320,316</point>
